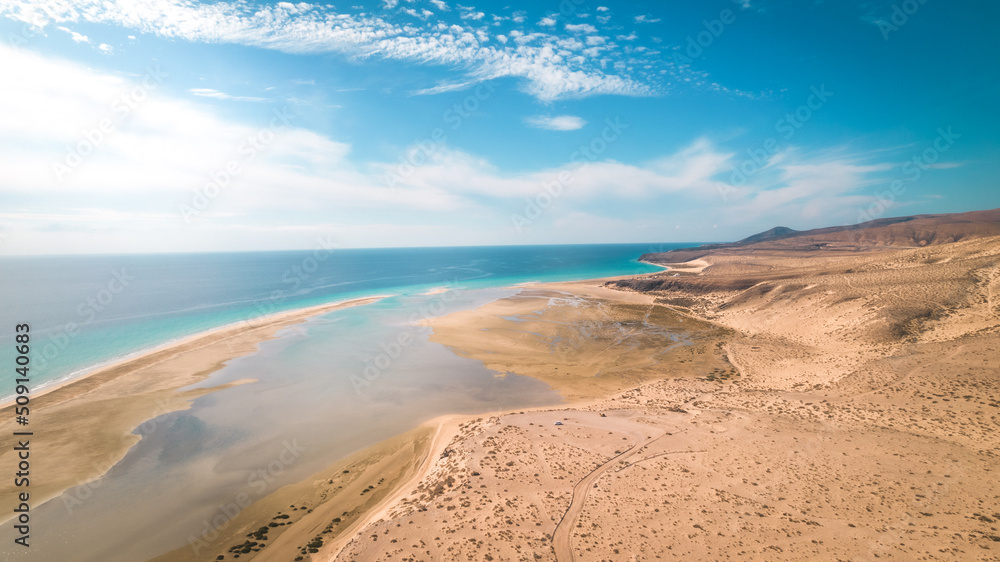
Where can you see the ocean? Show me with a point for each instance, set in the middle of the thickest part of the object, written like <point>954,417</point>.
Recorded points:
<point>191,462</point>
<point>88,310</point>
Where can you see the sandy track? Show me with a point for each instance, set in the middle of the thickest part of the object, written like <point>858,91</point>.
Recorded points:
<point>862,423</point>
<point>564,529</point>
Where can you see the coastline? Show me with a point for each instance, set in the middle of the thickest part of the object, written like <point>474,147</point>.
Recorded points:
<point>746,382</point>
<point>304,511</point>
<point>92,417</point>
<point>441,433</point>
<point>785,449</point>
<point>138,355</point>
<point>584,339</point>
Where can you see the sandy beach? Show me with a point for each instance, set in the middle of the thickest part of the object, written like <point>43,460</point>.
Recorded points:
<point>333,505</point>
<point>401,281</point>
<point>89,421</point>
<point>822,414</point>
<point>854,424</point>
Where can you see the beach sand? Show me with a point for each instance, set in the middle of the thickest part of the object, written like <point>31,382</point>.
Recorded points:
<point>841,406</point>
<point>626,337</point>
<point>583,339</point>
<point>88,422</point>
<point>863,423</point>
<point>309,514</point>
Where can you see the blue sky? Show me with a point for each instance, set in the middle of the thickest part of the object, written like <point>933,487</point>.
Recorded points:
<point>172,125</point>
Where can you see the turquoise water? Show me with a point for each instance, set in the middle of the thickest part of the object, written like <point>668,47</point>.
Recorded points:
<point>325,388</point>
<point>87,310</point>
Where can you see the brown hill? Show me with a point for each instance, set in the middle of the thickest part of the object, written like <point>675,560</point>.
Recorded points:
<point>773,234</point>
<point>897,232</point>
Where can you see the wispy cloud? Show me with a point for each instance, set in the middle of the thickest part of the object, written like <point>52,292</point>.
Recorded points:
<point>422,14</point>
<point>210,93</point>
<point>294,29</point>
<point>77,37</point>
<point>442,89</point>
<point>557,123</point>
<point>173,146</point>
<point>821,186</point>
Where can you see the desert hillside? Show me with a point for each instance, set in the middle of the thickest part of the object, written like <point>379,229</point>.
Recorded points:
<point>897,232</point>
<point>860,420</point>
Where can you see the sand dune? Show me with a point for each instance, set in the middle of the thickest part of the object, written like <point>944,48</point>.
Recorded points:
<point>862,424</point>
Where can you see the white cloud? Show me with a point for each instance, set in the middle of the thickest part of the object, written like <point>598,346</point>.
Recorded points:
<point>148,139</point>
<point>693,170</point>
<point>646,19</point>
<point>210,93</point>
<point>602,8</point>
<point>422,14</point>
<point>127,191</point>
<point>439,4</point>
<point>546,74</point>
<point>557,123</point>
<point>442,89</point>
<point>105,48</point>
<point>77,37</point>
<point>824,187</point>
<point>151,158</point>
<point>580,28</point>
<point>547,21</point>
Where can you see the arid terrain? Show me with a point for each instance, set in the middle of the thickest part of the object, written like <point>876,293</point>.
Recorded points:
<point>792,399</point>
<point>860,418</point>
